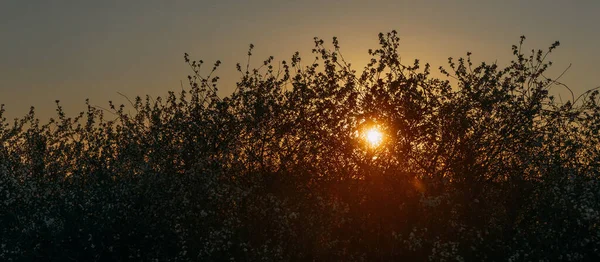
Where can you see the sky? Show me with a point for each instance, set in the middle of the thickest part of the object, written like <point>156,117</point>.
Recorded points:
<point>73,50</point>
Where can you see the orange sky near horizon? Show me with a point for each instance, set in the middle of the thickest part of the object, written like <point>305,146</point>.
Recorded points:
<point>73,50</point>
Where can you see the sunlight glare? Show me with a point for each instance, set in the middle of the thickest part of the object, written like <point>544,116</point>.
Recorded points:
<point>374,137</point>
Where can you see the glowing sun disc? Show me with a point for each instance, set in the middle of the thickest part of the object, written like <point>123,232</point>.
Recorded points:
<point>373,136</point>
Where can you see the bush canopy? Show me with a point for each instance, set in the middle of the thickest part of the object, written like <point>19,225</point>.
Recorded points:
<point>480,164</point>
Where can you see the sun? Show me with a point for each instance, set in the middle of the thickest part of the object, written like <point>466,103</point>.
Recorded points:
<point>373,136</point>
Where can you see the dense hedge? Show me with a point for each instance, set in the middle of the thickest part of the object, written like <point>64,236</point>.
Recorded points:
<point>481,165</point>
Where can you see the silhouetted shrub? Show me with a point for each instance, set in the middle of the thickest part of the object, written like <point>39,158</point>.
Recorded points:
<point>482,165</point>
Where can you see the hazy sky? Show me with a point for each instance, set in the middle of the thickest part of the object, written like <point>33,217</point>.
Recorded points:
<point>72,50</point>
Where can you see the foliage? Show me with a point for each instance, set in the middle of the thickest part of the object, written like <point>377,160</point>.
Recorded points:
<point>480,165</point>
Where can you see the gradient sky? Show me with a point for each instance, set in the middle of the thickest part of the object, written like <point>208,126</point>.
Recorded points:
<point>72,50</point>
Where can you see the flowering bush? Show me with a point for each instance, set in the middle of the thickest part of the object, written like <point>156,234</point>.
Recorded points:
<point>483,164</point>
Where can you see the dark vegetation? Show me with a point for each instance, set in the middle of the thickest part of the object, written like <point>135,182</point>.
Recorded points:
<point>482,165</point>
